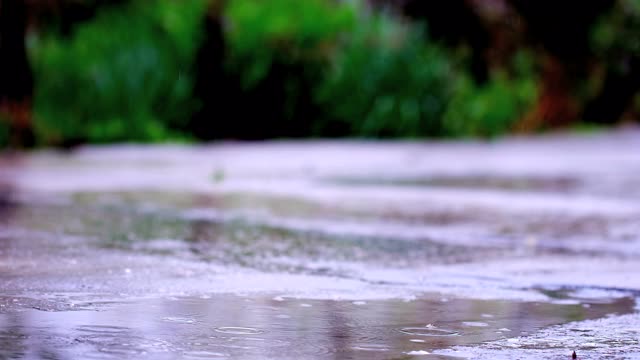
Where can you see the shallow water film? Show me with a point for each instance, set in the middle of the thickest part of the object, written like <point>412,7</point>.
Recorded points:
<point>522,248</point>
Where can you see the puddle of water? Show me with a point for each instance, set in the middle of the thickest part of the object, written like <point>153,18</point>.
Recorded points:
<point>91,267</point>
<point>612,337</point>
<point>252,327</point>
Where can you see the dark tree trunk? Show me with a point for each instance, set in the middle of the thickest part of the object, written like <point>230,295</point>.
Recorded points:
<point>555,106</point>
<point>273,107</point>
<point>454,22</point>
<point>211,83</point>
<point>562,28</point>
<point>618,91</point>
<point>16,79</point>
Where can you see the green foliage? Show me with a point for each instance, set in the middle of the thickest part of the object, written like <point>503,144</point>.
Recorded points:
<point>617,33</point>
<point>386,80</point>
<point>126,75</point>
<point>276,52</point>
<point>493,108</point>
<point>313,67</point>
<point>370,73</point>
<point>290,31</point>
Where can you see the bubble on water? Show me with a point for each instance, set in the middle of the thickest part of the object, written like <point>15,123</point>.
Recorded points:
<point>359,303</point>
<point>487,316</point>
<point>204,354</point>
<point>565,302</point>
<point>236,330</point>
<point>589,345</point>
<point>102,329</point>
<point>179,320</point>
<point>417,340</point>
<point>124,344</point>
<point>417,352</point>
<point>371,347</point>
<point>119,351</point>
<point>409,298</point>
<point>263,342</point>
<point>424,331</point>
<point>306,305</point>
<point>475,324</point>
<point>278,298</point>
<point>598,294</point>
<point>246,339</point>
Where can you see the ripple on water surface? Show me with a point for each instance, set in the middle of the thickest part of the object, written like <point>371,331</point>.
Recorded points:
<point>371,347</point>
<point>225,326</point>
<point>237,330</point>
<point>428,331</point>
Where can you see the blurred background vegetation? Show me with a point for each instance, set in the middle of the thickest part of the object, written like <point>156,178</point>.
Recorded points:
<point>78,71</point>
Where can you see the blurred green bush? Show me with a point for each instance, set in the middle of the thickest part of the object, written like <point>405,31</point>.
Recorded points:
<point>616,33</point>
<point>290,31</point>
<point>615,41</point>
<point>125,75</point>
<point>371,74</point>
<point>292,68</point>
<point>385,81</point>
<point>277,51</point>
<point>493,108</point>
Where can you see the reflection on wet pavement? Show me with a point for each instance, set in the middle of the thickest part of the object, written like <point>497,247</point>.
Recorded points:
<point>225,326</point>
<point>323,250</point>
